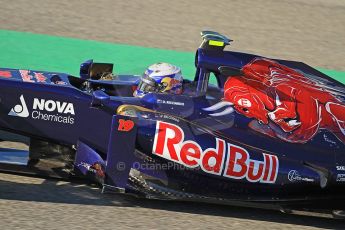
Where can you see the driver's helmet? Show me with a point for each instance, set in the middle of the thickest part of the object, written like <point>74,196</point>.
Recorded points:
<point>160,78</point>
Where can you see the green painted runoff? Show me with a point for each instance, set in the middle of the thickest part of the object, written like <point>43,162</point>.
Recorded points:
<point>60,54</point>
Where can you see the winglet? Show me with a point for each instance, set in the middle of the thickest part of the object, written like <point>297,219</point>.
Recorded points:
<point>214,40</point>
<point>230,71</point>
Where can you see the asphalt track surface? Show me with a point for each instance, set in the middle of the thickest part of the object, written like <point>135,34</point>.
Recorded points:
<point>312,31</point>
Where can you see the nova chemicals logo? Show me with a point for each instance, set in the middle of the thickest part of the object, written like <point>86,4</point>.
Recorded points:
<point>47,110</point>
<point>20,110</point>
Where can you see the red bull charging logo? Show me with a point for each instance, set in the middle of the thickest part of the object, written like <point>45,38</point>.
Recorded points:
<point>223,159</point>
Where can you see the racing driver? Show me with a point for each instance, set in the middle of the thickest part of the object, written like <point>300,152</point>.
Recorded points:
<point>160,78</point>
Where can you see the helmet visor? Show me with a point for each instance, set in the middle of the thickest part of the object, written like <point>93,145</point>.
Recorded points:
<point>147,85</point>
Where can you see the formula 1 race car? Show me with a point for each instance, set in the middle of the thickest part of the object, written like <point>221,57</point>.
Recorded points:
<point>247,130</point>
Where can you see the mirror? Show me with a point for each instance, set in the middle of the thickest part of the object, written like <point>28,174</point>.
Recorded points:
<point>99,98</point>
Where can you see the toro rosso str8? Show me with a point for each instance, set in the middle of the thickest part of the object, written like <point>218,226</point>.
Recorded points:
<point>247,130</point>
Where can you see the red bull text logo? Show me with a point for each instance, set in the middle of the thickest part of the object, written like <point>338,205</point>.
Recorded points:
<point>225,159</point>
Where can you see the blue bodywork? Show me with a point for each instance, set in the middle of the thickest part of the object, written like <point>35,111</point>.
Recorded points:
<point>133,145</point>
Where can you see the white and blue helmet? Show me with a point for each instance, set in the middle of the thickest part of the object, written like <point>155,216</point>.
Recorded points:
<point>160,78</point>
